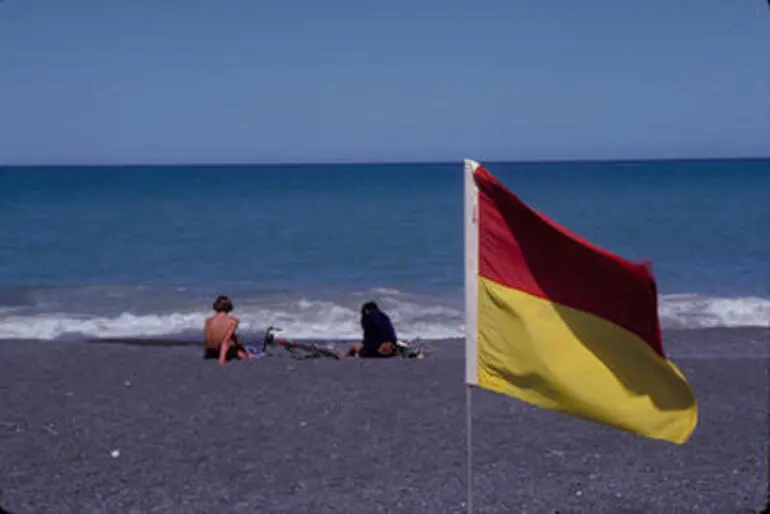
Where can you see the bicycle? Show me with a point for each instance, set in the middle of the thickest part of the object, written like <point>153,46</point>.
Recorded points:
<point>404,349</point>
<point>295,349</point>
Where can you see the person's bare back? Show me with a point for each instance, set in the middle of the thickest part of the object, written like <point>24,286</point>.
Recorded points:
<point>220,339</point>
<point>218,328</point>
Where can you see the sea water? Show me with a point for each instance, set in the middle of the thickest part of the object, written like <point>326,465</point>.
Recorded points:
<point>143,251</point>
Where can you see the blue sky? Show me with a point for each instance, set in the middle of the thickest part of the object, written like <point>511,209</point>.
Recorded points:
<point>404,80</point>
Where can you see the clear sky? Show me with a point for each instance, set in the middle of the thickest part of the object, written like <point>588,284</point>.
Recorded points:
<point>154,81</point>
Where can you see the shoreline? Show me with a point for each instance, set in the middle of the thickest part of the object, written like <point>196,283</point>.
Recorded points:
<point>708,342</point>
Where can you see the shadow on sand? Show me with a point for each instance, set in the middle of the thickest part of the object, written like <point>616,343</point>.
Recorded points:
<point>136,341</point>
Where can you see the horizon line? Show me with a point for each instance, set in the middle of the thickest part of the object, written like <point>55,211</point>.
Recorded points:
<point>192,164</point>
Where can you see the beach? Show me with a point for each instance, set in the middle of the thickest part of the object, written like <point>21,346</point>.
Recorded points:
<point>97,427</point>
<point>558,191</point>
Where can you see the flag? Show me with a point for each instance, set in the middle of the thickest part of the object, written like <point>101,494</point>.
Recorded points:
<point>558,322</point>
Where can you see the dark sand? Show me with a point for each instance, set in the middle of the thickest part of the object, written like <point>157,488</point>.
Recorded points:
<point>280,435</point>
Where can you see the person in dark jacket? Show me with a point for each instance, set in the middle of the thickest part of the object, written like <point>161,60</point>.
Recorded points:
<point>379,335</point>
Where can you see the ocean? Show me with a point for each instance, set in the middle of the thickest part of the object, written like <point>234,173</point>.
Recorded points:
<point>143,251</point>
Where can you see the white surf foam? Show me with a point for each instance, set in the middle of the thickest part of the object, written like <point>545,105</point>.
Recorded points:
<point>304,319</point>
<point>327,320</point>
<point>697,311</point>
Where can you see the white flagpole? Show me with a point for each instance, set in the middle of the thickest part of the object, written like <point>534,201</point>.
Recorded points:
<point>471,310</point>
<point>469,447</point>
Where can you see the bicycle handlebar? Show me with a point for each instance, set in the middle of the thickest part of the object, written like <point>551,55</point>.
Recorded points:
<point>269,336</point>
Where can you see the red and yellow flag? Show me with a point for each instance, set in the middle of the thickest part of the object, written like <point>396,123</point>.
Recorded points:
<point>557,322</point>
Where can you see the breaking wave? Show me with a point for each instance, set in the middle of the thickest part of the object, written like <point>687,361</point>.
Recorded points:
<point>414,317</point>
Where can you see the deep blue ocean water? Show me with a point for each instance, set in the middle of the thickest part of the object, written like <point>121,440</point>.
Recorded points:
<point>142,251</point>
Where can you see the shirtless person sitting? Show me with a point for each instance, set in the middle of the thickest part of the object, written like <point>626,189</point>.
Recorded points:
<point>219,337</point>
